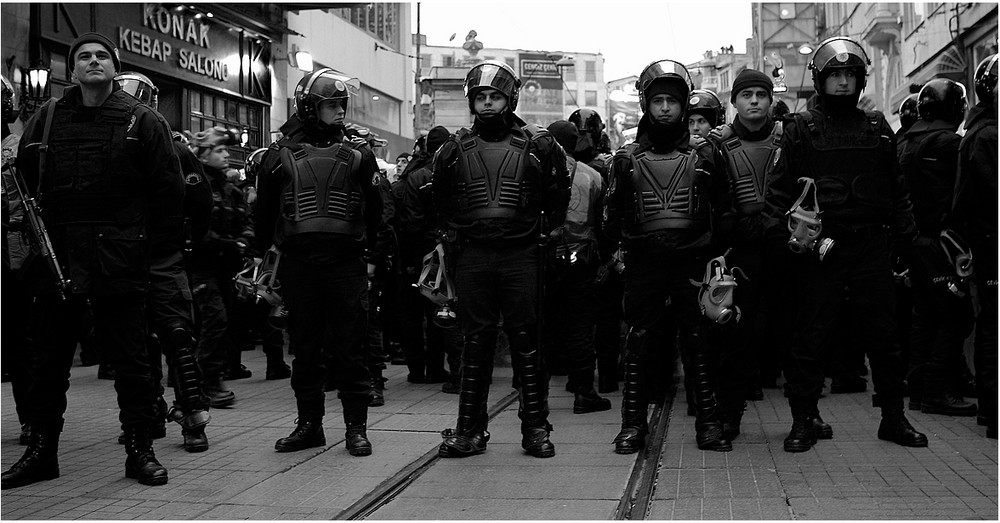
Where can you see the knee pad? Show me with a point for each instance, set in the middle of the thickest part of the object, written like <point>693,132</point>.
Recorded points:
<point>636,342</point>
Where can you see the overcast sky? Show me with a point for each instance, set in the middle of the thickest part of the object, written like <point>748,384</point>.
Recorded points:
<point>630,34</point>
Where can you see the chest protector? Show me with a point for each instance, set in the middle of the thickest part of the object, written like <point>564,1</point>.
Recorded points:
<point>90,176</point>
<point>494,180</point>
<point>666,193</point>
<point>321,191</point>
<point>851,161</point>
<point>749,164</point>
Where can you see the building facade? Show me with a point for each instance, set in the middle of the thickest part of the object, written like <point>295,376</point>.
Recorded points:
<point>554,84</point>
<point>716,72</point>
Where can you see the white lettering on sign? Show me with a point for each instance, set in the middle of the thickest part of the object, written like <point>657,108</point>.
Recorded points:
<point>143,44</point>
<point>202,65</point>
<point>173,24</point>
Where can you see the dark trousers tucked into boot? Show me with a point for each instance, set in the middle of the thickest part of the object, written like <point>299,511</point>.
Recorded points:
<point>141,463</point>
<point>708,420</point>
<point>356,419</point>
<point>634,426</point>
<point>895,427</point>
<point>39,461</point>
<point>533,394</point>
<point>470,435</point>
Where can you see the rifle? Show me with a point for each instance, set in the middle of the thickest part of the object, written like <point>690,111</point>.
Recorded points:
<point>39,235</point>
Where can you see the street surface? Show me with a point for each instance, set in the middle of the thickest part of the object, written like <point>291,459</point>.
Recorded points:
<point>853,476</point>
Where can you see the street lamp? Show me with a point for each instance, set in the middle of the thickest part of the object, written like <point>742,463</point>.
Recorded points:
<point>36,88</point>
<point>806,49</point>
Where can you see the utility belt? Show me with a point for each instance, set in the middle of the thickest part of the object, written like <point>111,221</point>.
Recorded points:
<point>840,231</point>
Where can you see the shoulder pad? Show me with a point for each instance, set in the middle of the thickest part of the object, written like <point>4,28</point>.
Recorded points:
<point>462,133</point>
<point>533,130</point>
<point>697,142</point>
<point>626,149</point>
<point>722,132</point>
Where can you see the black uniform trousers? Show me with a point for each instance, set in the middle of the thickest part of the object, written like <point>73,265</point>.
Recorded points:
<point>120,330</point>
<point>572,308</point>
<point>985,343</point>
<point>18,354</point>
<point>859,262</point>
<point>327,313</point>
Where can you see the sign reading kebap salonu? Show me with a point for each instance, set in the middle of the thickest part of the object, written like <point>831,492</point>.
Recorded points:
<point>189,45</point>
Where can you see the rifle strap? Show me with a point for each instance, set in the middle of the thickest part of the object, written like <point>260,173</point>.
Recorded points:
<point>43,149</point>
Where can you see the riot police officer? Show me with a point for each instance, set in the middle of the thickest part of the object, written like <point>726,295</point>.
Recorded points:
<point>840,162</point>
<point>110,184</point>
<point>170,304</point>
<point>666,190</point>
<point>907,117</point>
<point>942,307</point>
<point>498,187</point>
<point>319,202</point>
<point>749,146</point>
<point>974,212</point>
<point>705,111</point>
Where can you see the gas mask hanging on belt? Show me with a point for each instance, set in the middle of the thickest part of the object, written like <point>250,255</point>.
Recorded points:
<point>435,285</point>
<point>257,281</point>
<point>805,224</point>
<point>959,257</point>
<point>716,294</point>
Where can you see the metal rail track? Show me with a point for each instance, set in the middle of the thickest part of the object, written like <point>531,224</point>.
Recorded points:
<point>634,504</point>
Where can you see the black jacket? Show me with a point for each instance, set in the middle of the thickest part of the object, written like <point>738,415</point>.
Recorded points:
<point>928,158</point>
<point>974,210</point>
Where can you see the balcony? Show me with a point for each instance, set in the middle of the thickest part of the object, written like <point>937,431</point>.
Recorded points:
<point>884,24</point>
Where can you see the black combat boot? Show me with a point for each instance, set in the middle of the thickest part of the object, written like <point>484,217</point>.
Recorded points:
<point>943,401</point>
<point>589,401</point>
<point>533,393</point>
<point>307,434</point>
<point>218,396</point>
<point>632,436</point>
<point>38,463</point>
<point>141,463</point>
<point>277,370</point>
<point>356,419</point>
<point>896,428</point>
<point>24,438</point>
<point>470,436</point>
<point>193,429</point>
<point>803,436</point>
<point>708,418</point>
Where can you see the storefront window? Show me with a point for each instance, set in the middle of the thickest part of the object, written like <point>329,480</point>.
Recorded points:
<point>374,108</point>
<point>231,113</point>
<point>380,20</point>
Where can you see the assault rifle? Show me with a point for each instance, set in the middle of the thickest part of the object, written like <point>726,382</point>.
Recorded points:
<point>39,235</point>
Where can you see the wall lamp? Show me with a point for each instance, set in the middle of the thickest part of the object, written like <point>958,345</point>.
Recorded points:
<point>301,60</point>
<point>806,49</point>
<point>36,89</point>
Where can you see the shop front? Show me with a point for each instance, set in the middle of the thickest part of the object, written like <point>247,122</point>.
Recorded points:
<point>210,71</point>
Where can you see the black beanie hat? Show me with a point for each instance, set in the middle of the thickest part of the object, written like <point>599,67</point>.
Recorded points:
<point>565,133</point>
<point>674,86</point>
<point>751,78</point>
<point>436,138</point>
<point>96,38</point>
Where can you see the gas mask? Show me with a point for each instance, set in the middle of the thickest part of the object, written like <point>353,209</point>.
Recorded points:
<point>435,285</point>
<point>716,294</point>
<point>959,257</point>
<point>257,282</point>
<point>805,224</point>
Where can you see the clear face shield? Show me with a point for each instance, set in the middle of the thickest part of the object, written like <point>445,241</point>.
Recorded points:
<point>140,87</point>
<point>805,225</point>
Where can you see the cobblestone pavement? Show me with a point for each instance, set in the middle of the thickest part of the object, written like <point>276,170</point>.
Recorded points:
<point>853,476</point>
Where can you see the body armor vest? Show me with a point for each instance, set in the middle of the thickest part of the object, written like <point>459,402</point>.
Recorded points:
<point>321,192</point>
<point>852,163</point>
<point>749,165</point>
<point>667,195</point>
<point>90,177</point>
<point>493,181</point>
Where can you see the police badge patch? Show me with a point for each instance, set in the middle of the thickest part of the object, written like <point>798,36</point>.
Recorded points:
<point>192,179</point>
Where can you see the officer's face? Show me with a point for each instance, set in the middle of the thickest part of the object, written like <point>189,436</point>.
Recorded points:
<point>488,103</point>
<point>753,104</point>
<point>93,65</point>
<point>664,109</point>
<point>218,157</point>
<point>401,164</point>
<point>331,112</point>
<point>698,125</point>
<point>841,82</point>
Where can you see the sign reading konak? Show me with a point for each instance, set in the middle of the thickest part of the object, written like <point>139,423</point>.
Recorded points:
<point>174,42</point>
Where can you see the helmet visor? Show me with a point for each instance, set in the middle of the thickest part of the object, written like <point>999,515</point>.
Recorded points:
<point>493,76</point>
<point>839,53</point>
<point>660,69</point>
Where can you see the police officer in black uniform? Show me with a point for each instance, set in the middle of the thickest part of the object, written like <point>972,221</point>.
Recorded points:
<point>749,146</point>
<point>865,208</point>
<point>705,111</point>
<point>974,213</point>
<point>942,307</point>
<point>170,303</point>
<point>109,181</point>
<point>497,188</point>
<point>665,189</point>
<point>318,201</point>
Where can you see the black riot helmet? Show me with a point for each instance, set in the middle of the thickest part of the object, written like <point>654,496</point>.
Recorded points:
<point>942,99</point>
<point>320,85</point>
<point>986,80</point>
<point>908,112</point>
<point>9,114</point>
<point>588,121</point>
<point>252,168</point>
<point>669,72</point>
<point>839,52</point>
<point>707,104</point>
<point>493,74</point>
<point>140,87</point>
